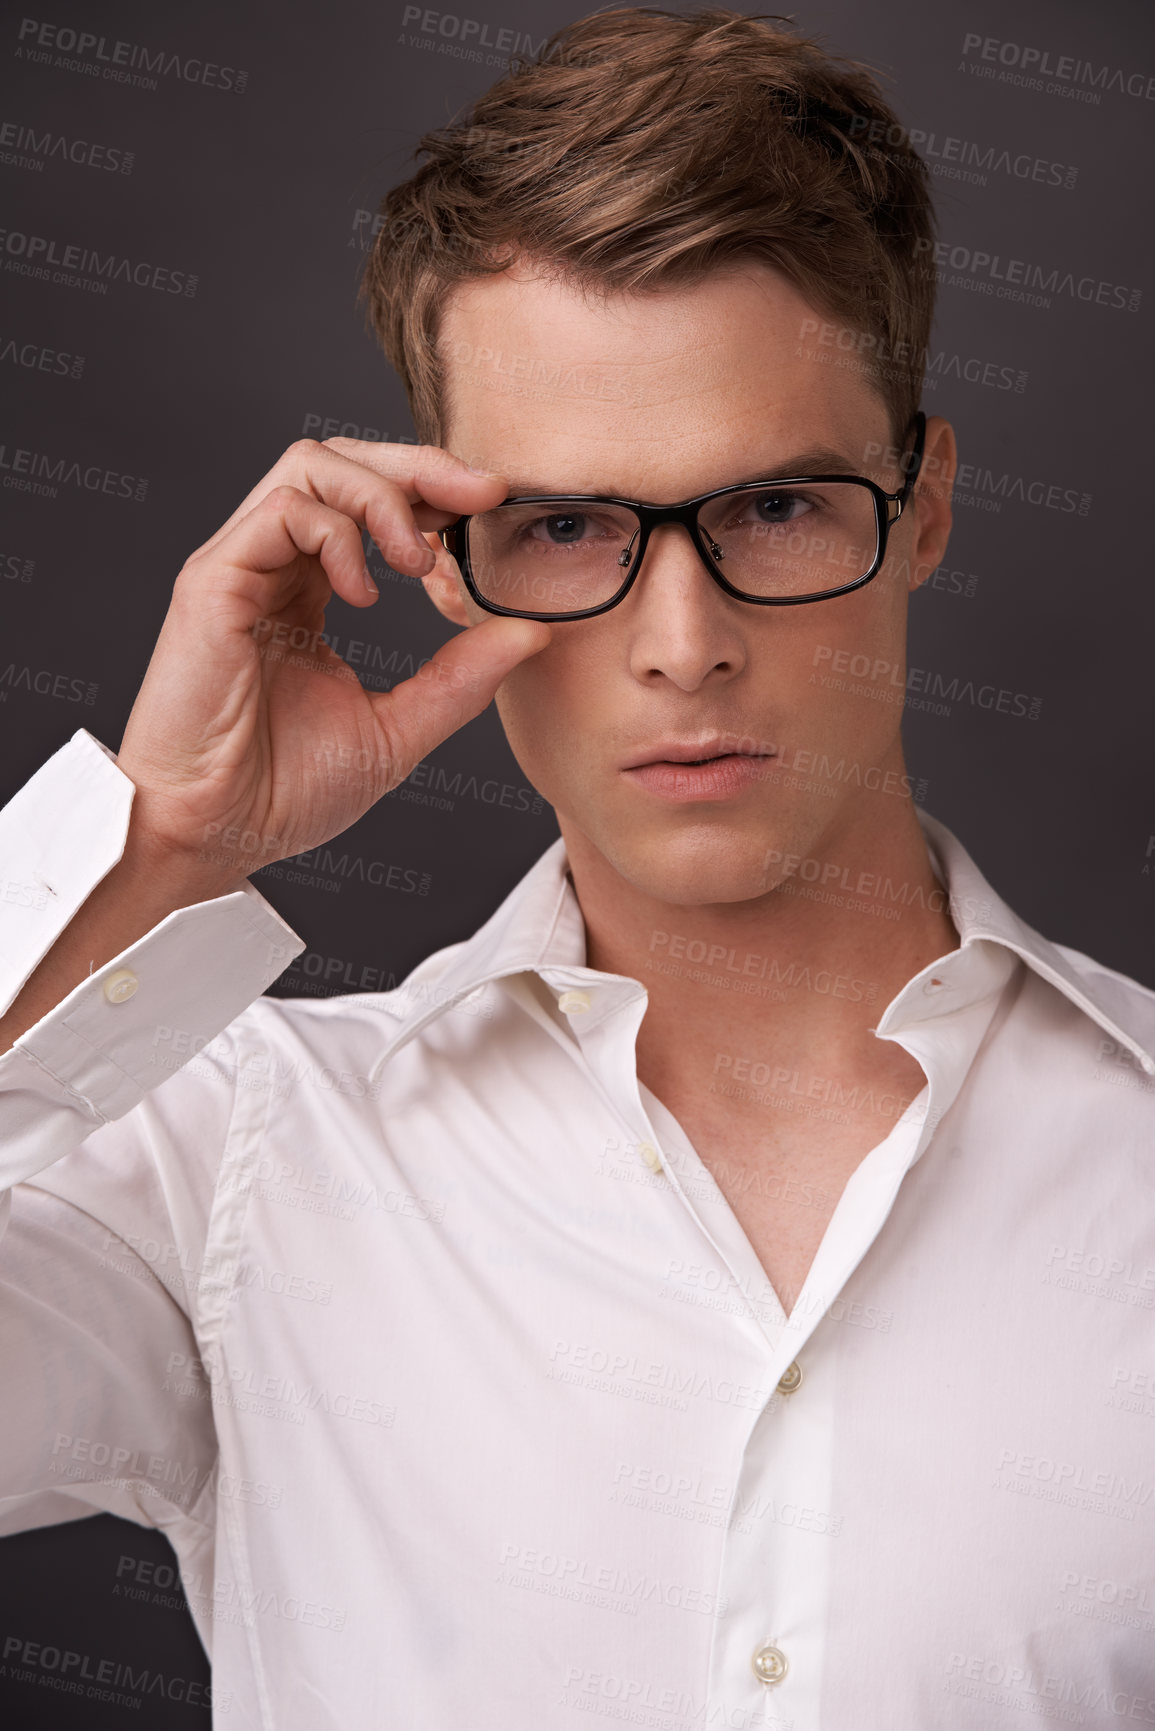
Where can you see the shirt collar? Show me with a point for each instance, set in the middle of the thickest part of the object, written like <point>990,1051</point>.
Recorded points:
<point>539,928</point>
<point>1114,1002</point>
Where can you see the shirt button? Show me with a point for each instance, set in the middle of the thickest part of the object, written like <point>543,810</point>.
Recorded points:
<point>931,987</point>
<point>119,987</point>
<point>574,1003</point>
<point>790,1378</point>
<point>769,1664</point>
<point>650,1155</point>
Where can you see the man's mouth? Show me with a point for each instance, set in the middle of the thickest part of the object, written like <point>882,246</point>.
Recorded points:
<point>694,753</point>
<point>720,768</point>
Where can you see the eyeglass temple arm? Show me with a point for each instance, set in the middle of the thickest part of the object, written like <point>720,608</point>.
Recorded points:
<point>912,464</point>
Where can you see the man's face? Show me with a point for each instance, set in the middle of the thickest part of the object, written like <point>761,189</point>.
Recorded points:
<point>661,398</point>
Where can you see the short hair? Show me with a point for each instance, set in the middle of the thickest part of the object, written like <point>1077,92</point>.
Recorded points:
<point>641,149</point>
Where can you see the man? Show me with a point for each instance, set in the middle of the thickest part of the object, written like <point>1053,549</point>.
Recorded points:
<point>718,1293</point>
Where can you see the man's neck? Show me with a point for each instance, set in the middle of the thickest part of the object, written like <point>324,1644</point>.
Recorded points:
<point>809,966</point>
<point>759,1031</point>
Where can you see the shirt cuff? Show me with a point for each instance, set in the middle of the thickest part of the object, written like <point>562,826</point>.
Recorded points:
<point>60,834</point>
<point>94,1056</point>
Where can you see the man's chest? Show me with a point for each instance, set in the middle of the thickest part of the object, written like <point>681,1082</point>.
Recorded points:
<point>784,1234</point>
<point>782,1179</point>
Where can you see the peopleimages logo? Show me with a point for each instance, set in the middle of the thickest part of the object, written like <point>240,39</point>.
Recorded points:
<point>49,260</point>
<point>121,62</point>
<point>891,682</point>
<point>38,357</point>
<point>24,147</point>
<point>960,158</point>
<point>1024,65</point>
<point>1018,279</point>
<point>29,471</point>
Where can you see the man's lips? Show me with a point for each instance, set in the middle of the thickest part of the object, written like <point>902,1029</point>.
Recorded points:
<point>699,751</point>
<point>694,770</point>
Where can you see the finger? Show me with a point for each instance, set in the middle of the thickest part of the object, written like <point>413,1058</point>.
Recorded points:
<point>391,477</point>
<point>436,486</point>
<point>450,689</point>
<point>258,555</point>
<point>429,476</point>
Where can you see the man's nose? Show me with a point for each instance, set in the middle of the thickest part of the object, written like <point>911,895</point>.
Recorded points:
<point>683,626</point>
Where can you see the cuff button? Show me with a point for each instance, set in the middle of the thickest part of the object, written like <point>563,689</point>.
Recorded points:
<point>769,1663</point>
<point>119,987</point>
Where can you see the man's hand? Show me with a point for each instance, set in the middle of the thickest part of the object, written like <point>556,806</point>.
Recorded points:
<point>249,732</point>
<point>250,739</point>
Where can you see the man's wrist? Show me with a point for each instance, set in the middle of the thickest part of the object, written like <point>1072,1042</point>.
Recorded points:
<point>170,877</point>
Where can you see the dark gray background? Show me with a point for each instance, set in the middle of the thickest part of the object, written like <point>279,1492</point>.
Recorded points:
<point>262,195</point>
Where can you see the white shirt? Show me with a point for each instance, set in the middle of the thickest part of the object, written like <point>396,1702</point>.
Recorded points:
<point>417,1324</point>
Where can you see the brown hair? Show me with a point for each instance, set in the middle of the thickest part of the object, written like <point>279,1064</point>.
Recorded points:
<point>641,149</point>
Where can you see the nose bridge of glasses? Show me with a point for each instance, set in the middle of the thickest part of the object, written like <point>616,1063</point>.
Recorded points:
<point>655,518</point>
<point>625,557</point>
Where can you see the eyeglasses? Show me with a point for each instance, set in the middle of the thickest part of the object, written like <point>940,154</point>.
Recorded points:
<point>775,543</point>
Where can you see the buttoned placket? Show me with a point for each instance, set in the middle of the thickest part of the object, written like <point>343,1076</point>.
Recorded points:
<point>767,1651</point>
<point>604,1013</point>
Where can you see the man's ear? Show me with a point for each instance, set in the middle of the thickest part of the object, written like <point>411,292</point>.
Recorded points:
<point>444,585</point>
<point>931,501</point>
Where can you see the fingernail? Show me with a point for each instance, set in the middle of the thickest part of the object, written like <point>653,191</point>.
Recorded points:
<point>369,583</point>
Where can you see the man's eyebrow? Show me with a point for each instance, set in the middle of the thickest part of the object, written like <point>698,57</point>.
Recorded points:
<point>519,486</point>
<point>819,460</point>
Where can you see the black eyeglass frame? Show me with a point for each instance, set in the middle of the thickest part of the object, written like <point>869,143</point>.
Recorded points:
<point>455,536</point>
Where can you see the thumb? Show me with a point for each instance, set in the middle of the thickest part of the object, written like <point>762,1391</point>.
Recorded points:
<point>456,684</point>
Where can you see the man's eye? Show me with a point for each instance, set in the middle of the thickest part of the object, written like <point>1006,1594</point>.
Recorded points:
<point>563,529</point>
<point>775,507</point>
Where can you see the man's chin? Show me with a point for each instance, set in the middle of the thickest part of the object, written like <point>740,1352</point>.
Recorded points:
<point>693,867</point>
